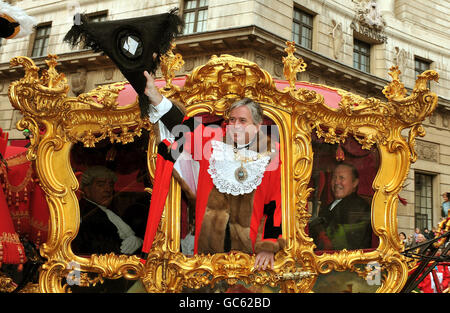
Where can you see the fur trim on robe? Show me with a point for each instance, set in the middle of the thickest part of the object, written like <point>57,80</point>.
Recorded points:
<point>236,211</point>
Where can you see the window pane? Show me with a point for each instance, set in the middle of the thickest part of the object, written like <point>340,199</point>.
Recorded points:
<point>41,41</point>
<point>190,4</point>
<point>307,34</point>
<point>195,16</point>
<point>189,18</point>
<point>97,18</point>
<point>201,27</point>
<point>421,66</point>
<point>307,19</point>
<point>361,55</point>
<point>37,48</point>
<point>34,53</point>
<point>38,44</point>
<point>302,28</point>
<point>202,15</point>
<point>188,28</point>
<point>45,44</point>
<point>40,32</point>
<point>423,200</point>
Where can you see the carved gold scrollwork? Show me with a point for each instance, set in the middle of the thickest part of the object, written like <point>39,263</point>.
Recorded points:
<point>412,110</point>
<point>292,64</point>
<point>40,96</point>
<point>7,284</point>
<point>170,63</point>
<point>57,122</point>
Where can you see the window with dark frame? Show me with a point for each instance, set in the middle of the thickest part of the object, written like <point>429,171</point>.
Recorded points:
<point>195,15</point>
<point>423,204</point>
<point>41,40</point>
<point>361,55</point>
<point>97,16</point>
<point>302,28</point>
<point>420,66</point>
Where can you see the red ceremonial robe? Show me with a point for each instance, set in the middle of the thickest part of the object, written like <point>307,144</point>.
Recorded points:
<point>261,207</point>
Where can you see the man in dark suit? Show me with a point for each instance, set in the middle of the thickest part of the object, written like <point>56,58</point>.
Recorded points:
<point>345,223</point>
<point>101,230</point>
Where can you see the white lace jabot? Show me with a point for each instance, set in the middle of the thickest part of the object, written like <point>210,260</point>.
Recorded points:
<point>224,164</point>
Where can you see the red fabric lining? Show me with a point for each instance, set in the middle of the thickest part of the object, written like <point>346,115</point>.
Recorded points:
<point>161,188</point>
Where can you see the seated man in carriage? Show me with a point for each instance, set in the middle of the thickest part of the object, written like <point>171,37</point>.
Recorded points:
<point>345,222</point>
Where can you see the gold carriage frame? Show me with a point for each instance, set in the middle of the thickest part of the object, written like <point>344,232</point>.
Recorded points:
<point>57,122</point>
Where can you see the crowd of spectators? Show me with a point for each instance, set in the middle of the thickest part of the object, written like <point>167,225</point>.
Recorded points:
<point>418,237</point>
<point>438,280</point>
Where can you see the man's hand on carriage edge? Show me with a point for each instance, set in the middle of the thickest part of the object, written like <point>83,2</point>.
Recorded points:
<point>151,90</point>
<point>263,260</point>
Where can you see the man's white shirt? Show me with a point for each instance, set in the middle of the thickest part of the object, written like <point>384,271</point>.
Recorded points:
<point>335,202</point>
<point>130,243</point>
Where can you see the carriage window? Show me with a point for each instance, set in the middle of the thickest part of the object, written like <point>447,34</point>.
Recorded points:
<point>340,205</point>
<point>228,222</point>
<point>237,176</point>
<point>112,198</point>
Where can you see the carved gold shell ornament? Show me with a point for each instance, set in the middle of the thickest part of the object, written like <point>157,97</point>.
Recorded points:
<point>56,122</point>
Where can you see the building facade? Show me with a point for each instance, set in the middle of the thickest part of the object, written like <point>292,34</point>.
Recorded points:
<point>347,44</point>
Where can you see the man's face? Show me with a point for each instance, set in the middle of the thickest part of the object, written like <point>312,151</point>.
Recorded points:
<point>241,127</point>
<point>100,191</point>
<point>420,238</point>
<point>342,182</point>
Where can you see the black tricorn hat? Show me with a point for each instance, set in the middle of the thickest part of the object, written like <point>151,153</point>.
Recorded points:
<point>130,43</point>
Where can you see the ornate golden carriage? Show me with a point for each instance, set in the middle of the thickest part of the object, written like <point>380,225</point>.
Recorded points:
<point>307,116</point>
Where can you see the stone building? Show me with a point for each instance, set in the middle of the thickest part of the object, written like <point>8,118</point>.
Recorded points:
<point>348,44</point>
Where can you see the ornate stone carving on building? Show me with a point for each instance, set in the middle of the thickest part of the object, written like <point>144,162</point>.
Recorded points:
<point>337,36</point>
<point>189,64</point>
<point>108,74</point>
<point>368,23</point>
<point>445,120</point>
<point>78,81</point>
<point>278,69</point>
<point>432,118</point>
<point>427,151</point>
<point>260,60</point>
<point>400,58</point>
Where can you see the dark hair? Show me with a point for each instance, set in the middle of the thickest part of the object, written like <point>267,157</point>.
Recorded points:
<point>355,172</point>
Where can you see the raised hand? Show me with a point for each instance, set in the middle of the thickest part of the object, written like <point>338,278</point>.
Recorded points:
<point>151,91</point>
